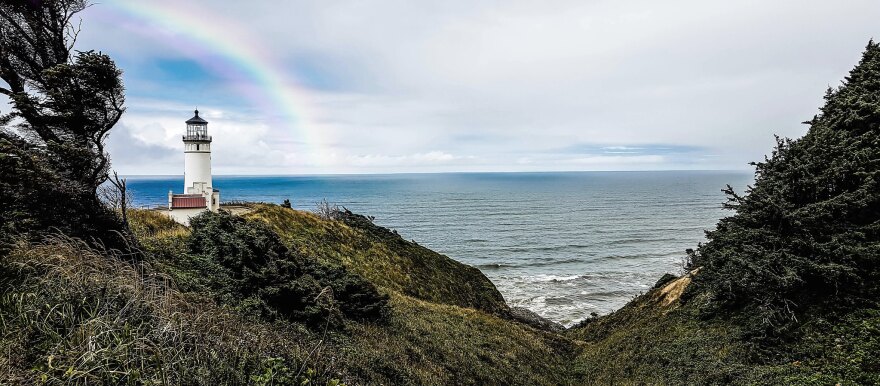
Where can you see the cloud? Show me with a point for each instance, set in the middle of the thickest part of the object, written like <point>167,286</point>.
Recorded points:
<point>129,151</point>
<point>648,148</point>
<point>418,159</point>
<point>613,161</point>
<point>680,84</point>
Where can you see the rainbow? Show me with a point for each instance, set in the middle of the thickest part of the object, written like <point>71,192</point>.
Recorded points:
<point>224,47</point>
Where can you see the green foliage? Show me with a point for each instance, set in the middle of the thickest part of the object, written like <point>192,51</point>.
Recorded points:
<point>63,104</point>
<point>382,257</point>
<point>840,351</point>
<point>420,342</point>
<point>274,371</point>
<point>73,315</point>
<point>256,265</point>
<point>646,342</point>
<point>806,237</point>
<point>435,344</point>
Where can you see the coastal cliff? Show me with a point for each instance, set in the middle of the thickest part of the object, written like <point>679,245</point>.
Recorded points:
<point>382,257</point>
<point>784,290</point>
<point>442,322</point>
<point>72,313</point>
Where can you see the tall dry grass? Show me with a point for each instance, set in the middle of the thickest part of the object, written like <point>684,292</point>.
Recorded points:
<point>73,315</point>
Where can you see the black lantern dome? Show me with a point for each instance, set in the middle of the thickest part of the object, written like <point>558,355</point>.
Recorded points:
<point>197,129</point>
<point>196,120</point>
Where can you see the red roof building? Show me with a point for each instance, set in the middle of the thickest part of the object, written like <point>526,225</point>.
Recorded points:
<point>186,201</point>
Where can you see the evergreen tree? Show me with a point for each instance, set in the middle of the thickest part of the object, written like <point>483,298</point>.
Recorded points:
<point>64,103</point>
<point>806,236</point>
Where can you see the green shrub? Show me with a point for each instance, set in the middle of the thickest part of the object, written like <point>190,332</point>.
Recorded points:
<point>806,237</point>
<point>275,371</point>
<point>380,256</point>
<point>256,265</point>
<point>74,315</point>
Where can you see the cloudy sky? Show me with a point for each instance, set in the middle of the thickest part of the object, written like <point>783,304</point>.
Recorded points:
<point>339,86</point>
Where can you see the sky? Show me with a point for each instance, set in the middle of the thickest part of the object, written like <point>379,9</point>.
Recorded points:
<point>347,86</point>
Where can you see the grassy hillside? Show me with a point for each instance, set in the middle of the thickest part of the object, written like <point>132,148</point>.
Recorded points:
<point>72,314</point>
<point>382,257</point>
<point>430,344</point>
<point>166,316</point>
<point>655,339</point>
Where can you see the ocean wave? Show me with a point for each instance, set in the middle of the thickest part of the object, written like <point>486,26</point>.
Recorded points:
<point>548,248</point>
<point>549,278</point>
<point>613,294</point>
<point>495,266</point>
<point>639,240</point>
<point>642,255</point>
<point>534,263</point>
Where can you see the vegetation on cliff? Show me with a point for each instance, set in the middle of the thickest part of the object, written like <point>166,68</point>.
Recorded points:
<point>805,238</point>
<point>71,314</point>
<point>784,291</point>
<point>413,342</point>
<point>656,339</point>
<point>254,267</point>
<point>382,257</point>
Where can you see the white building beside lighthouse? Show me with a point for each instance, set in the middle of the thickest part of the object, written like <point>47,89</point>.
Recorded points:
<point>199,194</point>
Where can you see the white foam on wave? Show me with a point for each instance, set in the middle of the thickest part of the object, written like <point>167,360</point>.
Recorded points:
<point>549,278</point>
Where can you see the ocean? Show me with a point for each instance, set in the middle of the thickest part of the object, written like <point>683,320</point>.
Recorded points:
<point>563,245</point>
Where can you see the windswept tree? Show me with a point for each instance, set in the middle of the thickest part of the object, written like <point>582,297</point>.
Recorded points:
<point>63,104</point>
<point>805,238</point>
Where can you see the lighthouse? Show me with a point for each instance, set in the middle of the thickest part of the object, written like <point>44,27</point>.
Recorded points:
<point>199,194</point>
<point>196,156</point>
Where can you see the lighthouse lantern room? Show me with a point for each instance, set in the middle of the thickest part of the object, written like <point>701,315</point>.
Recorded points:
<point>198,192</point>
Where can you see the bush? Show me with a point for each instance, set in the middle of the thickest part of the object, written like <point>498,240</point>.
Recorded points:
<point>806,236</point>
<point>257,267</point>
<point>381,256</point>
<point>75,315</point>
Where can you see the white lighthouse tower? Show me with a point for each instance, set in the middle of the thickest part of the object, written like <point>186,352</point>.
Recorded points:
<point>197,156</point>
<point>198,192</point>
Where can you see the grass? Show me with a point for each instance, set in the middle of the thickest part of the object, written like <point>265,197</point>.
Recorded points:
<point>840,351</point>
<point>382,257</point>
<point>74,315</point>
<point>434,339</point>
<point>432,335</point>
<point>654,341</point>
<point>649,344</point>
<point>151,224</point>
<point>431,344</point>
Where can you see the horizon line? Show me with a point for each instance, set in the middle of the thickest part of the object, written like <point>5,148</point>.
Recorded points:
<point>454,172</point>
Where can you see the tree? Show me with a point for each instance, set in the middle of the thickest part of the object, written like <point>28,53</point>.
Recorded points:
<point>116,195</point>
<point>806,236</point>
<point>64,103</point>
